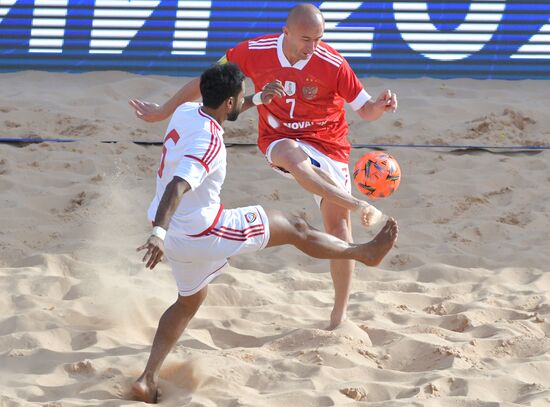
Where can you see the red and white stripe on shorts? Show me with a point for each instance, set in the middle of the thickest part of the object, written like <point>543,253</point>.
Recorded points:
<point>238,234</point>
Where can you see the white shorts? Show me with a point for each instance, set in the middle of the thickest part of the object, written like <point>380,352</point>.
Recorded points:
<point>196,261</point>
<point>337,171</point>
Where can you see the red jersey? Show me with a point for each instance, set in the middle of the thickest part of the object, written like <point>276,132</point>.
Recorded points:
<point>313,108</point>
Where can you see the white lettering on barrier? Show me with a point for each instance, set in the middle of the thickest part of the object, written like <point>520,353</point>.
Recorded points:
<point>538,46</point>
<point>191,31</point>
<point>480,24</point>
<point>116,22</point>
<point>48,26</point>
<point>5,7</point>
<point>348,41</point>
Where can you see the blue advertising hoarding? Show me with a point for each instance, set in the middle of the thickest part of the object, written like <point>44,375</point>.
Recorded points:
<point>485,39</point>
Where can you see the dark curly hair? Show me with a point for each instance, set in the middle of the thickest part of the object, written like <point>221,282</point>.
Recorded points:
<point>220,82</point>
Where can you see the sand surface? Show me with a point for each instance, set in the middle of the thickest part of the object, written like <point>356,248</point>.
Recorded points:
<point>458,314</point>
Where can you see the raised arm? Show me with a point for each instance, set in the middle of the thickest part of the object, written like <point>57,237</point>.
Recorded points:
<point>152,112</point>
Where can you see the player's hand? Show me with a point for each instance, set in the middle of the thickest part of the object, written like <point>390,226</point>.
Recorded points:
<point>387,101</point>
<point>155,251</point>
<point>150,112</point>
<point>369,215</point>
<point>271,90</point>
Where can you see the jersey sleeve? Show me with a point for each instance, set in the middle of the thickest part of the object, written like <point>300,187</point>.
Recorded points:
<point>199,159</point>
<point>239,55</point>
<point>350,88</point>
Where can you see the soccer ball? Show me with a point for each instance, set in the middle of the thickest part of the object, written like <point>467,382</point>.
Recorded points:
<point>377,174</point>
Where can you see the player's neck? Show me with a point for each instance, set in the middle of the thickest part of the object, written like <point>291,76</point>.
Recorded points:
<point>216,114</point>
<point>288,54</point>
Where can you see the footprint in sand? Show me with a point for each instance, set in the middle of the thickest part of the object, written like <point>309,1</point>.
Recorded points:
<point>467,203</point>
<point>97,178</point>
<point>355,393</point>
<point>515,219</point>
<point>456,323</point>
<point>11,125</point>
<point>437,309</point>
<point>84,367</point>
<point>82,199</point>
<point>503,196</point>
<point>509,122</point>
<point>75,127</point>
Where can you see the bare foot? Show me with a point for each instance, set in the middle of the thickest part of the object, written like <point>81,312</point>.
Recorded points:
<point>336,318</point>
<point>145,390</point>
<point>373,252</point>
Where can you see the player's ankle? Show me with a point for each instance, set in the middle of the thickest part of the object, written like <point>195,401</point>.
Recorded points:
<point>358,206</point>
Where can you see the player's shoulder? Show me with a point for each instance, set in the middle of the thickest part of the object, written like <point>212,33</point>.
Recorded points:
<point>263,42</point>
<point>184,113</point>
<point>187,108</point>
<point>190,118</point>
<point>328,54</point>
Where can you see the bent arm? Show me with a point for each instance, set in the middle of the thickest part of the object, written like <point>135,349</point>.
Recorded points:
<point>167,206</point>
<point>170,200</point>
<point>373,109</point>
<point>370,112</point>
<point>269,91</point>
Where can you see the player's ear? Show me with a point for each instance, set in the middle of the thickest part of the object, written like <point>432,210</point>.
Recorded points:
<point>230,102</point>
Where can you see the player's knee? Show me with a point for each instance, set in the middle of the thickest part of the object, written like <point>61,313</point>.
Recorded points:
<point>300,227</point>
<point>283,148</point>
<point>339,230</point>
<point>287,155</point>
<point>187,307</point>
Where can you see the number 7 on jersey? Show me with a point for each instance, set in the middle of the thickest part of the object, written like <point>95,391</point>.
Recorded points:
<point>293,105</point>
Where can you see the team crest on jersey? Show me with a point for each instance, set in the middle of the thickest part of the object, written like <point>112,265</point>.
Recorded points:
<point>290,88</point>
<point>310,92</point>
<point>250,217</point>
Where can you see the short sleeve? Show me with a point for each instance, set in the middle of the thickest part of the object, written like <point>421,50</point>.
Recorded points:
<point>239,56</point>
<point>199,159</point>
<point>350,88</point>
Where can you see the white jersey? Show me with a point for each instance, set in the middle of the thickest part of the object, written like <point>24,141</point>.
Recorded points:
<point>193,150</point>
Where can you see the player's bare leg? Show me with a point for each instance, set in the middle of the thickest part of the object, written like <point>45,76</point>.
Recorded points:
<point>295,230</point>
<point>287,154</point>
<point>171,326</point>
<point>337,223</point>
<point>284,229</point>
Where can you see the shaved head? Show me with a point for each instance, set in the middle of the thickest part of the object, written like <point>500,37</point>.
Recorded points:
<point>305,14</point>
<point>303,31</point>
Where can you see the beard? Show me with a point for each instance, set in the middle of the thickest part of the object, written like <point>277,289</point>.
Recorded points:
<point>232,115</point>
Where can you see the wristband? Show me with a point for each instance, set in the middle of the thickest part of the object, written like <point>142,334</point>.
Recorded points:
<point>159,232</point>
<point>257,99</point>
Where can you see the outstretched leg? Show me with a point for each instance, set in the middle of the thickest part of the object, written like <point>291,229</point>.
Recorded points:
<point>295,231</point>
<point>171,326</point>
